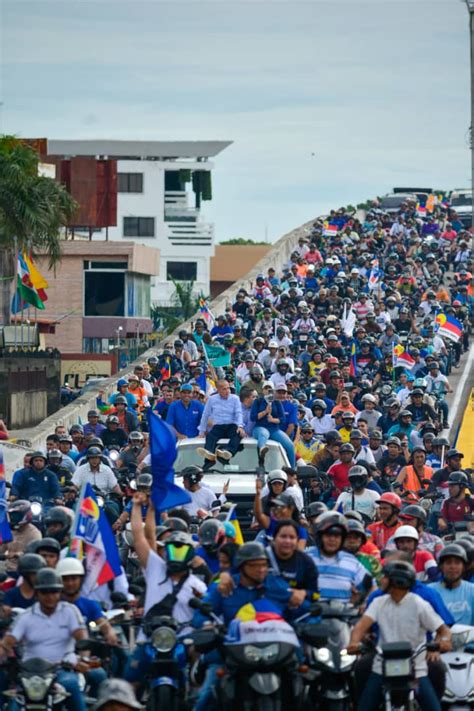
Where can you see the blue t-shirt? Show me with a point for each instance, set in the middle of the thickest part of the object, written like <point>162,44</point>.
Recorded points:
<point>90,609</point>
<point>14,598</point>
<point>459,601</point>
<point>302,532</point>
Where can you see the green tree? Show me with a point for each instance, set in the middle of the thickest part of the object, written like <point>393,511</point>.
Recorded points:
<point>242,240</point>
<point>184,304</point>
<point>33,209</point>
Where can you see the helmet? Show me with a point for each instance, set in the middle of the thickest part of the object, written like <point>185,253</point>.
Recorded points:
<point>55,454</point>
<point>70,566</point>
<point>329,521</point>
<point>458,478</point>
<point>144,481</point>
<point>390,498</point>
<point>117,690</point>
<point>38,455</point>
<point>357,477</point>
<point>468,546</point>
<point>77,428</point>
<point>57,514</point>
<point>93,452</point>
<point>112,420</point>
<point>30,563</point>
<point>211,534</point>
<point>348,415</point>
<point>355,434</point>
<point>453,550</point>
<point>332,436</point>
<point>135,436</point>
<point>120,400</point>
<point>400,573</point>
<point>179,552</point>
<point>316,508</point>
<point>192,473</point>
<point>248,552</point>
<point>46,544</point>
<point>176,524</point>
<point>19,513</point>
<point>414,511</point>
<point>354,516</point>
<point>356,527</point>
<point>122,382</point>
<point>277,475</point>
<point>406,532</point>
<point>347,447</point>
<point>48,579</point>
<point>319,403</point>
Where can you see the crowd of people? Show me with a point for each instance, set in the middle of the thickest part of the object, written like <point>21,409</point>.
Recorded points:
<point>338,357</point>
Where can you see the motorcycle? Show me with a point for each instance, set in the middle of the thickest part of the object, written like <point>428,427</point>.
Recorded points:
<point>459,663</point>
<point>260,670</point>
<point>36,686</point>
<point>331,686</point>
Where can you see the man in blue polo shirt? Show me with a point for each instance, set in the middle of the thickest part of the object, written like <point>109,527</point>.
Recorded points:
<point>184,415</point>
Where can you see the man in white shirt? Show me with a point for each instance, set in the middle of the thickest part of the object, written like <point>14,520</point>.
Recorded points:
<point>359,499</point>
<point>96,473</point>
<point>401,616</point>
<point>202,496</point>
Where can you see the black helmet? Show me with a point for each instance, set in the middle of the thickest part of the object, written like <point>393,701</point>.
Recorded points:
<point>120,400</point>
<point>211,534</point>
<point>248,552</point>
<point>468,545</point>
<point>327,522</point>
<point>30,563</point>
<point>48,579</point>
<point>318,403</point>
<point>19,512</point>
<point>176,524</point>
<point>356,527</point>
<point>179,552</point>
<point>354,516</point>
<point>38,455</point>
<point>55,454</point>
<point>192,473</point>
<point>453,550</point>
<point>414,511</point>
<point>332,436</point>
<point>45,544</point>
<point>316,508</point>
<point>93,452</point>
<point>459,478</point>
<point>57,515</point>
<point>357,476</point>
<point>96,442</point>
<point>144,481</point>
<point>400,573</point>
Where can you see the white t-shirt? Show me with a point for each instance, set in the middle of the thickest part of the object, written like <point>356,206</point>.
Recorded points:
<point>203,498</point>
<point>363,502</point>
<point>104,479</point>
<point>408,621</point>
<point>158,585</point>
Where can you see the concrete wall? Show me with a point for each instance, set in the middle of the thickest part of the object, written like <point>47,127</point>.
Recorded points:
<point>77,411</point>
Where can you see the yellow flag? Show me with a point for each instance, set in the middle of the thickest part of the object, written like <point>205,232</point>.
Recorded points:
<point>38,280</point>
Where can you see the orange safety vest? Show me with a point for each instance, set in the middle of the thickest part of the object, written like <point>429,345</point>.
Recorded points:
<point>412,483</point>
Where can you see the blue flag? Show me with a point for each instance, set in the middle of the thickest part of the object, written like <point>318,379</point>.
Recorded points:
<point>5,531</point>
<point>165,494</point>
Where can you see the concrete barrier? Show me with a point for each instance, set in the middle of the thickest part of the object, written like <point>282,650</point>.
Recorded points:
<point>34,437</point>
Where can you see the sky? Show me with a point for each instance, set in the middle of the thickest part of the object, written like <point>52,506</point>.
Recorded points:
<point>327,102</point>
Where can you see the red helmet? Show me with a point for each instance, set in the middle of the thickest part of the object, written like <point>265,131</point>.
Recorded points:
<point>390,498</point>
<point>332,360</point>
<point>456,302</point>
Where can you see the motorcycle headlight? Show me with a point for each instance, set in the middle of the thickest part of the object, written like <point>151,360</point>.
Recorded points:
<point>36,508</point>
<point>36,687</point>
<point>252,654</point>
<point>323,655</point>
<point>114,455</point>
<point>346,659</point>
<point>163,639</point>
<point>270,653</point>
<point>397,667</point>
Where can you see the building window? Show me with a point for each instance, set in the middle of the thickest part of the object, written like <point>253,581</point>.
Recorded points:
<point>129,182</point>
<point>138,226</point>
<point>104,293</point>
<point>181,271</point>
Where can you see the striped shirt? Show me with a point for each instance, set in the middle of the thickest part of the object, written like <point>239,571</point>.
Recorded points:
<point>337,574</point>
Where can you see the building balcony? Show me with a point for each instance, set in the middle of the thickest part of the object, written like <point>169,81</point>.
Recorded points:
<point>176,205</point>
<point>192,233</point>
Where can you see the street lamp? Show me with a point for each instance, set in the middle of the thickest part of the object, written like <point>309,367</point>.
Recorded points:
<point>470,9</point>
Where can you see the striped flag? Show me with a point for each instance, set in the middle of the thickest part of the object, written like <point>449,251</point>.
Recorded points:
<point>232,518</point>
<point>206,312</point>
<point>375,275</point>
<point>353,362</point>
<point>329,230</point>
<point>402,359</point>
<point>449,327</point>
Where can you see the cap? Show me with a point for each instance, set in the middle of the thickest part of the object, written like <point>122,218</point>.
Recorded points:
<point>186,387</point>
<point>281,386</point>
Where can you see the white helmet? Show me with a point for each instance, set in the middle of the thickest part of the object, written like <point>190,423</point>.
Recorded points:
<point>70,566</point>
<point>277,475</point>
<point>406,532</point>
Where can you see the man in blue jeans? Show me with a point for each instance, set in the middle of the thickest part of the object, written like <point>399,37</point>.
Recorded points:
<point>401,616</point>
<point>222,418</point>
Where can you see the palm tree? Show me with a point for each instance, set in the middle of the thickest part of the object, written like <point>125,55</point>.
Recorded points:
<point>33,209</point>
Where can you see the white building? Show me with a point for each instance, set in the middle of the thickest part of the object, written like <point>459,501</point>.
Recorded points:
<point>161,186</point>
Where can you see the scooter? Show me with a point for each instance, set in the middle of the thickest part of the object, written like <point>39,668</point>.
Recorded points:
<point>459,663</point>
